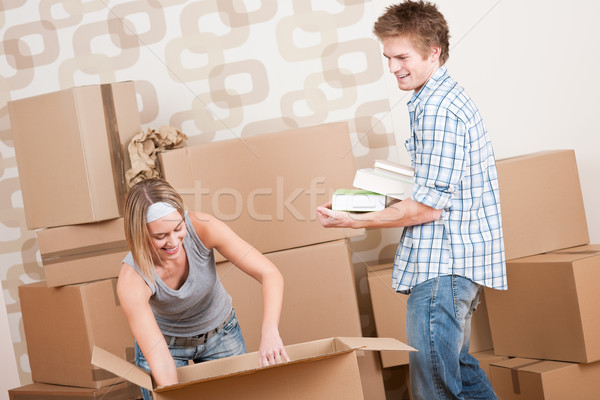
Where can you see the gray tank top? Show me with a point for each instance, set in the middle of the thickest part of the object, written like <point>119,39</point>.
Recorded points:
<point>201,303</point>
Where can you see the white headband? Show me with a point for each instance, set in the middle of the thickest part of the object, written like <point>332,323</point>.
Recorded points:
<point>158,210</point>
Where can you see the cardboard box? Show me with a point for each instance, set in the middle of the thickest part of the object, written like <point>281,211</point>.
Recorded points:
<point>389,311</point>
<point>267,187</point>
<point>82,253</point>
<point>542,204</point>
<point>322,369</point>
<point>487,357</point>
<point>71,151</point>
<point>43,391</point>
<point>319,296</point>
<point>62,325</point>
<point>319,301</point>
<point>371,375</point>
<point>526,379</point>
<point>550,310</point>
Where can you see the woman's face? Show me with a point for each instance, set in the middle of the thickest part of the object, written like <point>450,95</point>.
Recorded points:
<point>166,235</point>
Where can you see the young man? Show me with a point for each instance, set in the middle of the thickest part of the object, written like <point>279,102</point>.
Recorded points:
<point>452,243</point>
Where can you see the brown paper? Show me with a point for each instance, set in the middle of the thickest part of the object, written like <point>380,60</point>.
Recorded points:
<point>143,150</point>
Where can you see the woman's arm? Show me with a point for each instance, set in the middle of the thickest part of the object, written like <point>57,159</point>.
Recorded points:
<point>216,234</point>
<point>134,295</point>
<point>403,213</point>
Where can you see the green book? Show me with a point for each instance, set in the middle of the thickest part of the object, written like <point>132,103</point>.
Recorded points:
<point>357,200</point>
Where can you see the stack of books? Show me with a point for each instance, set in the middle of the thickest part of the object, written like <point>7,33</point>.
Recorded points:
<point>386,179</point>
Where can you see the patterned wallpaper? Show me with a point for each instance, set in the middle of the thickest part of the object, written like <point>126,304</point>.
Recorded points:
<point>215,69</point>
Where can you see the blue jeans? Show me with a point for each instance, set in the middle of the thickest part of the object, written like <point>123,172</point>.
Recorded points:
<point>228,342</point>
<point>438,325</point>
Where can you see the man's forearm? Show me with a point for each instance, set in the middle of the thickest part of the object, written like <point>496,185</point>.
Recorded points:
<point>404,213</point>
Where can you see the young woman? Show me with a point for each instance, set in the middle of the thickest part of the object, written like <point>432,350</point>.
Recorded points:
<point>168,287</point>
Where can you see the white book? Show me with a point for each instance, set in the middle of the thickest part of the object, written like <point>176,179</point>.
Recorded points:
<point>357,200</point>
<point>384,182</point>
<point>394,167</point>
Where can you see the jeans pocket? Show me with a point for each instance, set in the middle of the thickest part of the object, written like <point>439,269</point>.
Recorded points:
<point>231,325</point>
<point>466,296</point>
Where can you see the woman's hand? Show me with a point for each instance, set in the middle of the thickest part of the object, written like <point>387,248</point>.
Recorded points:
<point>271,350</point>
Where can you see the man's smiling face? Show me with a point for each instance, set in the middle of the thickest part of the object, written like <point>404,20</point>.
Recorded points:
<point>411,68</point>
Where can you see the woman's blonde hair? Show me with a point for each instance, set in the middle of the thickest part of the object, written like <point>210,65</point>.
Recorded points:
<point>141,196</point>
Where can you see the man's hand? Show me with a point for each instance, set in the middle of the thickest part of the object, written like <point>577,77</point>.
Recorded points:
<point>398,214</point>
<point>334,219</point>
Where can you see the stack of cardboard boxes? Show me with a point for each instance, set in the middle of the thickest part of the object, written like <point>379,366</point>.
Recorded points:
<point>69,147</point>
<point>547,320</point>
<point>538,339</point>
<point>266,188</point>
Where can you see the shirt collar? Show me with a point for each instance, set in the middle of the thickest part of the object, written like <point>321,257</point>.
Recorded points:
<point>430,86</point>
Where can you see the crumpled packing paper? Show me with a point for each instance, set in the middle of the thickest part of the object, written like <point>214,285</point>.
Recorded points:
<point>143,152</point>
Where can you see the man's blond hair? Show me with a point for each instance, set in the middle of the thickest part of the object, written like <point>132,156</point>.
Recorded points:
<point>421,22</point>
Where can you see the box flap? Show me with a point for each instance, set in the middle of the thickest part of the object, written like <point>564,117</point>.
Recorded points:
<point>588,250</point>
<point>243,364</point>
<point>246,364</point>
<point>299,353</point>
<point>112,363</point>
<point>374,343</point>
<point>568,255</point>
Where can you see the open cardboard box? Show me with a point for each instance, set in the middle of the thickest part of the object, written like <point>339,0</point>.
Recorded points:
<point>321,369</point>
<point>320,302</point>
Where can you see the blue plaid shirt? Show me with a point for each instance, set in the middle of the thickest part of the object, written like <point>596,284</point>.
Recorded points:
<point>455,171</point>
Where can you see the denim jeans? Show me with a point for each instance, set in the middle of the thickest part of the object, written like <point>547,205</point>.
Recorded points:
<point>228,342</point>
<point>438,325</point>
